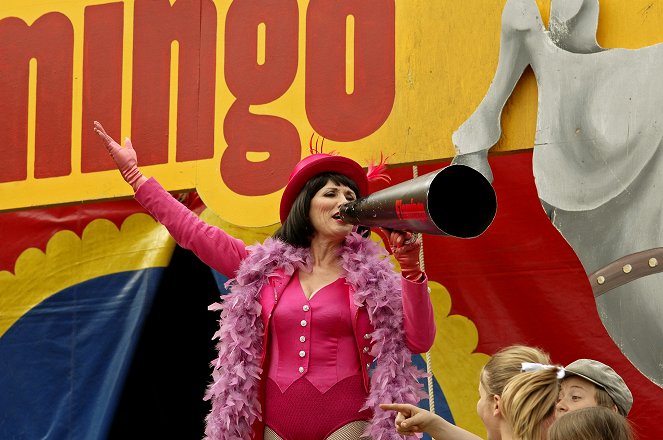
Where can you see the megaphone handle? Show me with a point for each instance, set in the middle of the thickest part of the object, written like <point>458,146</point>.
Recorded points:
<point>414,236</point>
<point>398,238</point>
<point>385,234</point>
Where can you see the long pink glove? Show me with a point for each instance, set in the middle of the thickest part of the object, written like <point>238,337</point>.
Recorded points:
<point>406,252</point>
<point>125,158</point>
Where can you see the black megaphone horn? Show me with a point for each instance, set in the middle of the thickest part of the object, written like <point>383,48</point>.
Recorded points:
<point>456,200</point>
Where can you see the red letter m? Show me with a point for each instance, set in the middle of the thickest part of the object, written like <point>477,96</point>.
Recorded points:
<point>50,41</point>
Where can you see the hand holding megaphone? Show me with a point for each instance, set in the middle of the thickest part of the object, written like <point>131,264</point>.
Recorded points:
<point>456,200</point>
<point>405,247</point>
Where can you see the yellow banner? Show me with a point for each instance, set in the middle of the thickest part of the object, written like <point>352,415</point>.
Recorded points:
<point>224,97</point>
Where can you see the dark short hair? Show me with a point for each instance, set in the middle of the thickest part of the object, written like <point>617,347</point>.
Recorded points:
<point>297,229</point>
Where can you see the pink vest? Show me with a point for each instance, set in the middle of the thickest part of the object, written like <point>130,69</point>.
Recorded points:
<point>312,338</point>
<point>270,296</point>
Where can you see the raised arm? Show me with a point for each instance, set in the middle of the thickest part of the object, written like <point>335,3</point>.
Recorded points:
<point>212,245</point>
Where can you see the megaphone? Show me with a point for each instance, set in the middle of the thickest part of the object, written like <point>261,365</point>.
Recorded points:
<point>457,201</point>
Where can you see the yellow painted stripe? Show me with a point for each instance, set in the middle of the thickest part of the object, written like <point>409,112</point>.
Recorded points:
<point>262,45</point>
<point>349,54</point>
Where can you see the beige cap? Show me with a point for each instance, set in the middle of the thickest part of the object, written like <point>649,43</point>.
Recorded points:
<point>602,375</point>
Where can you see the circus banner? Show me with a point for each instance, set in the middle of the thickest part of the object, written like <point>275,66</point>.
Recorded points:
<point>556,102</point>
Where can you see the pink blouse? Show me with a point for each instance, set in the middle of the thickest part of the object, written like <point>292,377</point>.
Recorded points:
<point>312,338</point>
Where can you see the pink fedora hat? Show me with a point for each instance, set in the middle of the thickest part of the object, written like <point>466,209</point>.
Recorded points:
<point>315,164</point>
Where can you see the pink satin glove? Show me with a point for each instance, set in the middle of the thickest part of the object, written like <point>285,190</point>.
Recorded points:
<point>405,247</point>
<point>125,158</point>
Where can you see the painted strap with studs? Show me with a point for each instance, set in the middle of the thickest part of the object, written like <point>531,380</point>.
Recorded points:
<point>626,269</point>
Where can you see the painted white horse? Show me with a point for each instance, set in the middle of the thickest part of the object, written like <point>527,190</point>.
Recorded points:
<point>598,160</point>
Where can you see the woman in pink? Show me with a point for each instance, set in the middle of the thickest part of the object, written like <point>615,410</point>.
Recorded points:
<point>309,311</point>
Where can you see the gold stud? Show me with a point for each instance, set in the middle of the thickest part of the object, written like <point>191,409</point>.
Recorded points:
<point>600,279</point>
<point>653,262</point>
<point>627,268</point>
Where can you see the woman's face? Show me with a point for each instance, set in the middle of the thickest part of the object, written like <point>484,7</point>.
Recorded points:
<point>324,211</point>
<point>575,393</point>
<point>486,407</point>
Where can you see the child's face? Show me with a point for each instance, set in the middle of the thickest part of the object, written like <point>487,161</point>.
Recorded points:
<point>575,393</point>
<point>486,409</point>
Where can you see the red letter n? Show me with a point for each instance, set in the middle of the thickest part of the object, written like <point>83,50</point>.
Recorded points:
<point>102,82</point>
<point>156,25</point>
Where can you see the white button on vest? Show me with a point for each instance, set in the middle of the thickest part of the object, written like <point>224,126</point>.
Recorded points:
<point>306,308</point>
<point>302,354</point>
<point>302,339</point>
<point>365,349</point>
<point>367,336</point>
<point>303,323</point>
<point>301,369</point>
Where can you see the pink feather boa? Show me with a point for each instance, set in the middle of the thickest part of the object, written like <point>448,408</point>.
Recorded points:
<point>236,375</point>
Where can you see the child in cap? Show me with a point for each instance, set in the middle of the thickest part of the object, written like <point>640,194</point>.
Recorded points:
<point>591,383</point>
